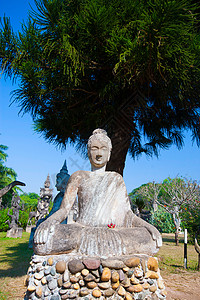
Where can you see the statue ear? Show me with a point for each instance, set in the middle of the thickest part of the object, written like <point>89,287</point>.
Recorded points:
<point>109,155</point>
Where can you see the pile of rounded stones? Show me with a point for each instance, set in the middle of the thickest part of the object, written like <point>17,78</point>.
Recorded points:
<point>59,277</point>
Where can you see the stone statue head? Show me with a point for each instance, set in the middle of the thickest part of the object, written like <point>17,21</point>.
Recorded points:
<point>62,178</point>
<point>99,148</point>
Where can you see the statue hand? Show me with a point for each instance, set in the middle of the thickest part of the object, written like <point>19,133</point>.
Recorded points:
<point>43,231</point>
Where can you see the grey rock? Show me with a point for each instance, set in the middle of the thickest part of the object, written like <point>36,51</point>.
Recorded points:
<point>53,271</point>
<point>47,271</point>
<point>49,278</point>
<point>55,297</point>
<point>150,281</point>
<point>52,284</point>
<point>75,266</point>
<point>113,264</point>
<point>89,277</point>
<point>95,273</point>
<point>104,285</point>
<point>109,292</point>
<point>130,273</point>
<point>121,275</point>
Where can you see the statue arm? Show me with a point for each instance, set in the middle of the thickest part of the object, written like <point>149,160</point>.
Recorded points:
<point>43,230</point>
<point>138,222</point>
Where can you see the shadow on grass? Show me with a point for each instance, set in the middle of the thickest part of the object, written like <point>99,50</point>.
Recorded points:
<point>15,260</point>
<point>171,239</point>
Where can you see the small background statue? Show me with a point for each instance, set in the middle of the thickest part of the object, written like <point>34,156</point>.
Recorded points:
<point>14,231</point>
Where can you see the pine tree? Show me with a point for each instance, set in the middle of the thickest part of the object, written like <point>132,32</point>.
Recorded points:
<point>131,67</point>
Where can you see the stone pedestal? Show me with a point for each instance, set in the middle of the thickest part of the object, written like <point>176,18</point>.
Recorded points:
<point>29,228</point>
<point>15,232</point>
<point>69,276</point>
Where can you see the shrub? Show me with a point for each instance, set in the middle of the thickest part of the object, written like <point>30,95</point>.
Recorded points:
<point>162,220</point>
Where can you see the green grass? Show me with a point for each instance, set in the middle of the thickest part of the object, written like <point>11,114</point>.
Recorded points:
<point>171,257</point>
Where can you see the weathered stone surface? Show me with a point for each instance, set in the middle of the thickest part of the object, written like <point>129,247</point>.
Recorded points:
<point>104,285</point>
<point>76,286</point>
<point>126,282</point>
<point>60,281</point>
<point>66,285</point>
<point>115,276</point>
<point>113,264</point>
<point>31,288</point>
<point>81,282</point>
<point>121,275</point>
<point>39,276</point>
<point>85,272</point>
<point>106,274</point>
<point>130,273</point>
<point>152,264</point>
<point>89,277</point>
<point>53,271</point>
<point>145,286</point>
<point>66,276</point>
<point>135,288</point>
<point>47,271</point>
<point>128,296</point>
<point>96,293</point>
<point>115,285</point>
<point>126,269</point>
<point>60,267</point>
<point>121,291</point>
<point>91,264</point>
<point>134,280</point>
<point>36,282</point>
<point>52,284</point>
<point>109,292</point>
<point>63,291</point>
<point>38,292</point>
<point>55,297</point>
<point>44,281</point>
<point>160,284</point>
<point>73,279</point>
<point>91,284</point>
<point>154,275</point>
<point>153,288</point>
<point>132,262</point>
<point>75,266</point>
<point>138,272</point>
<point>50,261</point>
<point>84,292</point>
<point>95,273</point>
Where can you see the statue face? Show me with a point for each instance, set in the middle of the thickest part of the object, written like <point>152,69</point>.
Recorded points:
<point>99,153</point>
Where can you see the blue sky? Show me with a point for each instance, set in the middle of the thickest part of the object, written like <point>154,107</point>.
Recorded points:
<point>33,158</point>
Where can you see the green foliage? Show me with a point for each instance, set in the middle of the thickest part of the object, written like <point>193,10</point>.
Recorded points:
<point>131,67</point>
<point>162,220</point>
<point>3,218</point>
<point>190,216</point>
<point>7,175</point>
<point>23,218</point>
<point>30,201</point>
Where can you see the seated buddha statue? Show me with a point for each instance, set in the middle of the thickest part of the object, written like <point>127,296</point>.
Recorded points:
<point>102,200</point>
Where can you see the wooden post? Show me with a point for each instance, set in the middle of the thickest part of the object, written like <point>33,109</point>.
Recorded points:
<point>185,248</point>
<point>197,248</point>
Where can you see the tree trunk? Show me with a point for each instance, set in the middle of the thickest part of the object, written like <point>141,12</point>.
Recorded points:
<point>120,145</point>
<point>7,188</point>
<point>177,237</point>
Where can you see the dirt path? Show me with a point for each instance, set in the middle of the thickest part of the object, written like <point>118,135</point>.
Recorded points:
<point>182,286</point>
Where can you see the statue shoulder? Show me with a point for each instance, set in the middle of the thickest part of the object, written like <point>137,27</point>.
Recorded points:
<point>77,176</point>
<point>117,176</point>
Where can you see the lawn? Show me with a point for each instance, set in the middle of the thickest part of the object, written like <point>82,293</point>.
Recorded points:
<point>15,257</point>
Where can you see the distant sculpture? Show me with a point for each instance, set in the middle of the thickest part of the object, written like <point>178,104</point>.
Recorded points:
<point>14,231</point>
<point>7,188</point>
<point>61,182</point>
<point>102,199</point>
